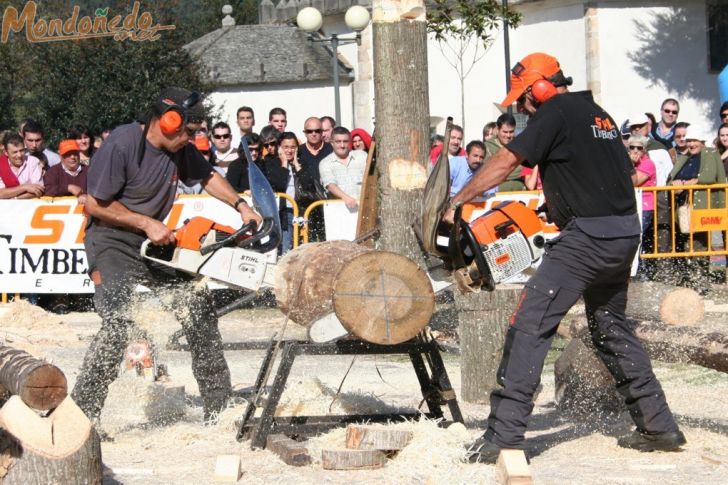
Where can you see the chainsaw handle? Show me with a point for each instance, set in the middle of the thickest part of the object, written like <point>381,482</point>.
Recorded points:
<point>456,251</point>
<point>228,241</point>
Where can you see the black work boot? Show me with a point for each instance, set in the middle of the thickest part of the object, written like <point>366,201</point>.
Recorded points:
<point>482,451</point>
<point>645,441</point>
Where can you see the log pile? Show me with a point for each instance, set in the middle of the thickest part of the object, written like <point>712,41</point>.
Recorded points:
<point>378,296</point>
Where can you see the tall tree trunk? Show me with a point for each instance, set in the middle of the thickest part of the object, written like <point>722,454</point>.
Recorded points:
<point>402,115</point>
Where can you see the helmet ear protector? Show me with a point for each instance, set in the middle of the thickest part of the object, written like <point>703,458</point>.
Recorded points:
<point>543,89</point>
<point>172,116</point>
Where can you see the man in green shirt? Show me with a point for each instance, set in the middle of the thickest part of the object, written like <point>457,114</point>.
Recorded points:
<point>504,133</point>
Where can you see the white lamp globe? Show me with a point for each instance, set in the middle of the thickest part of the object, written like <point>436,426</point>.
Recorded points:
<point>357,18</point>
<point>309,19</point>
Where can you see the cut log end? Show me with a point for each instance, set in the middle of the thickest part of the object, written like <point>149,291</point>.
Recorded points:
<point>45,388</point>
<point>383,297</point>
<point>682,307</point>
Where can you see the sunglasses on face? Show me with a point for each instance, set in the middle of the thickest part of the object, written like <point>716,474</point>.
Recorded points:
<point>221,137</point>
<point>724,114</point>
<point>318,130</point>
<point>635,147</point>
<point>270,144</point>
<point>670,111</point>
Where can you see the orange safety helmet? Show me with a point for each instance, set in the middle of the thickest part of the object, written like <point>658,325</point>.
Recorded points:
<point>538,72</point>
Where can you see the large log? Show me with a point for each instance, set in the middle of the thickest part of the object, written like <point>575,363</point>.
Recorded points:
<point>39,384</point>
<point>483,319</point>
<point>583,385</point>
<point>669,343</point>
<point>378,296</point>
<point>673,305</point>
<point>61,448</point>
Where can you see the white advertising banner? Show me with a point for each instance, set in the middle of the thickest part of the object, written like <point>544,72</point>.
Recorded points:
<point>41,240</point>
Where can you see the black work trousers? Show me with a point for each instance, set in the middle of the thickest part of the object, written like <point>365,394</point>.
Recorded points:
<point>116,268</point>
<point>575,264</point>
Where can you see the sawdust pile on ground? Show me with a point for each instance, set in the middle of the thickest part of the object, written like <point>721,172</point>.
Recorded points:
<point>28,327</point>
<point>311,397</point>
<point>20,313</point>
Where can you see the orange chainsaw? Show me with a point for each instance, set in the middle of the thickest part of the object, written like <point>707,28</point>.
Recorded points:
<point>495,246</point>
<point>491,249</point>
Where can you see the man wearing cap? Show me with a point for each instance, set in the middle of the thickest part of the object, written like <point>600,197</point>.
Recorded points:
<point>132,185</point>
<point>586,177</point>
<point>69,176</point>
<point>700,166</point>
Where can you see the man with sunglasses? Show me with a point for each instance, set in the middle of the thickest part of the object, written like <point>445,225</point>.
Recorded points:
<point>664,131</point>
<point>224,152</point>
<point>131,186</point>
<point>723,112</point>
<point>310,155</point>
<point>587,182</point>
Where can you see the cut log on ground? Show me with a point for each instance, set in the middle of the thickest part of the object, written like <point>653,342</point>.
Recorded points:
<point>677,344</point>
<point>352,459</point>
<point>376,438</point>
<point>483,319</point>
<point>583,384</point>
<point>378,296</point>
<point>290,451</point>
<point>673,305</point>
<point>39,384</point>
<point>61,448</point>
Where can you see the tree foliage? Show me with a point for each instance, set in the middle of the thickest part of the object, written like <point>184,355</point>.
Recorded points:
<point>101,82</point>
<point>468,19</point>
<point>465,31</point>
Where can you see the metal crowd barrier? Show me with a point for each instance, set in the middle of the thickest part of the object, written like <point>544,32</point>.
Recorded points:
<point>307,215</point>
<point>672,242</point>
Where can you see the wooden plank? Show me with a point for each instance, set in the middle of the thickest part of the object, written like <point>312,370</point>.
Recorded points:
<point>352,459</point>
<point>512,468</point>
<point>367,217</point>
<point>290,451</point>
<point>376,438</point>
<point>227,468</point>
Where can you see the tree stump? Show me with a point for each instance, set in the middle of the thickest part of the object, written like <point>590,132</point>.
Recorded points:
<point>39,384</point>
<point>483,319</point>
<point>61,448</point>
<point>378,296</point>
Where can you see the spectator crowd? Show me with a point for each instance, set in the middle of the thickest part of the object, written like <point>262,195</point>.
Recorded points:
<point>328,161</point>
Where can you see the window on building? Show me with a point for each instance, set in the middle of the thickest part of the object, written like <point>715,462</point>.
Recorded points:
<point>717,34</point>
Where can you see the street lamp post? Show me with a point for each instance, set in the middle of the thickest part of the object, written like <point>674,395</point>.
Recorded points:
<point>310,20</point>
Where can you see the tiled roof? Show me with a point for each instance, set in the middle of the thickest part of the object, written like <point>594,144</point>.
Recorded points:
<point>256,54</point>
